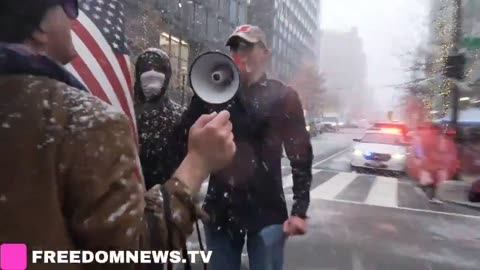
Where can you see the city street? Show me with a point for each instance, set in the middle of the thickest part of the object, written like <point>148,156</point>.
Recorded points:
<point>117,115</point>
<point>373,222</point>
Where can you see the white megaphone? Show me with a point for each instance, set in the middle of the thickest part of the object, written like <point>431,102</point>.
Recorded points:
<point>214,77</point>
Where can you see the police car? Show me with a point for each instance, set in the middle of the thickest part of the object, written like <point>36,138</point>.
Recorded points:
<point>382,149</point>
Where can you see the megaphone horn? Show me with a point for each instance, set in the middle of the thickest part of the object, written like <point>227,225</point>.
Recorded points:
<point>214,77</point>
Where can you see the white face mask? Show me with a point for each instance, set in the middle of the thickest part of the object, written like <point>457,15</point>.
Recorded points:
<point>152,83</point>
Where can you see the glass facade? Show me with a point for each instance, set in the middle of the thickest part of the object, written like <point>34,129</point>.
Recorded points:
<point>290,26</point>
<point>195,26</point>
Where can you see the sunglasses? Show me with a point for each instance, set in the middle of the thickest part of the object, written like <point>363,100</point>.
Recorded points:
<point>71,8</point>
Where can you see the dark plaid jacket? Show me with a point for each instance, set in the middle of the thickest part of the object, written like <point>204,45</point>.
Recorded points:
<point>248,194</point>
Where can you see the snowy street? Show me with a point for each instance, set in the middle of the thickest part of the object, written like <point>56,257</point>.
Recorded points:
<point>375,222</point>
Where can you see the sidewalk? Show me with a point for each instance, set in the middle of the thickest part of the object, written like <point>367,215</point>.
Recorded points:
<point>456,192</point>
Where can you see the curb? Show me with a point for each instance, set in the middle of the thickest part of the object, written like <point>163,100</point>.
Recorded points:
<point>474,206</point>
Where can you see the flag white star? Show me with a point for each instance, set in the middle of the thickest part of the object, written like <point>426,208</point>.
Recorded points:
<point>110,13</point>
<point>101,2</point>
<point>112,5</point>
<point>115,45</point>
<point>97,8</point>
<point>86,7</point>
<point>108,21</point>
<point>106,30</point>
<point>117,36</point>
<point>95,15</point>
<point>119,28</point>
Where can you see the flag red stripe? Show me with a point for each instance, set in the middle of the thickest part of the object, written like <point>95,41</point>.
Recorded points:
<point>122,61</point>
<point>126,72</point>
<point>87,76</point>
<point>105,64</point>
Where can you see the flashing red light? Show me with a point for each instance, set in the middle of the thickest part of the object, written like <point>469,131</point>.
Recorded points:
<point>395,131</point>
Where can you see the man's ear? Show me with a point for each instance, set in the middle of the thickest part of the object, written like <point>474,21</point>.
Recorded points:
<point>39,38</point>
<point>267,52</point>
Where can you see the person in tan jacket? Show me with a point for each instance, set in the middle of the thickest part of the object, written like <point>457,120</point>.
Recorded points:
<point>69,180</point>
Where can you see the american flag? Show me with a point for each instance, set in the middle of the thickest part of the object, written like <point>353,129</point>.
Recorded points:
<point>103,65</point>
<point>103,62</point>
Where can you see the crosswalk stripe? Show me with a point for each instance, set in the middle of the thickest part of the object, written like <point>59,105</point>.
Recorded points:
<point>388,192</point>
<point>383,192</point>
<point>331,188</point>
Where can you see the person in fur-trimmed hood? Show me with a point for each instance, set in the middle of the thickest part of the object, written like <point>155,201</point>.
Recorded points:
<point>157,116</point>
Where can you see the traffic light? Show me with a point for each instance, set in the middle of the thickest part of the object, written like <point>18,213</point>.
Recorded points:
<point>455,67</point>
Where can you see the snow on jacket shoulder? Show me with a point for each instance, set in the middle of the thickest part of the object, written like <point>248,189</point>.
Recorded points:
<point>69,178</point>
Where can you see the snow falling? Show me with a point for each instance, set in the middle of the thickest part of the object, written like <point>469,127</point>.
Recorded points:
<point>118,213</point>
<point>346,227</point>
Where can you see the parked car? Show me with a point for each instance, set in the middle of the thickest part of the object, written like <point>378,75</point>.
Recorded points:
<point>330,124</point>
<point>474,193</point>
<point>312,129</point>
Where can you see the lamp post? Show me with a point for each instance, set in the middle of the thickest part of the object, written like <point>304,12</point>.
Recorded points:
<point>455,65</point>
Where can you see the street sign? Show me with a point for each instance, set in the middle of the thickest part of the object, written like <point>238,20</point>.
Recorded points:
<point>471,43</point>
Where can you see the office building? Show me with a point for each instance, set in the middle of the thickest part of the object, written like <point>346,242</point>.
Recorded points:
<point>188,28</point>
<point>343,62</point>
<point>290,27</point>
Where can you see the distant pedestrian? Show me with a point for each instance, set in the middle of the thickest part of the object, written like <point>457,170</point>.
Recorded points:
<point>436,152</point>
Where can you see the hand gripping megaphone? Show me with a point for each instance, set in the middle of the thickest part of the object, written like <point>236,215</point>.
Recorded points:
<point>214,77</point>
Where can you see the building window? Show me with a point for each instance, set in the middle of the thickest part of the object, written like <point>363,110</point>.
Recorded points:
<point>214,4</point>
<point>242,13</point>
<point>173,7</point>
<point>179,51</point>
<point>225,7</point>
<point>164,42</point>
<point>212,26</point>
<point>188,15</point>
<point>234,12</point>
<point>199,21</point>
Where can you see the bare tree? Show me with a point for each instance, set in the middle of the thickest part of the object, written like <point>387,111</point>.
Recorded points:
<point>310,84</point>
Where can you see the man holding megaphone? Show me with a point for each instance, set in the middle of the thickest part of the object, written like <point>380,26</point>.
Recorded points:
<point>246,199</point>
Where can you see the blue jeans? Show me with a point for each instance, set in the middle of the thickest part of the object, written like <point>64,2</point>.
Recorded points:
<point>265,248</point>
